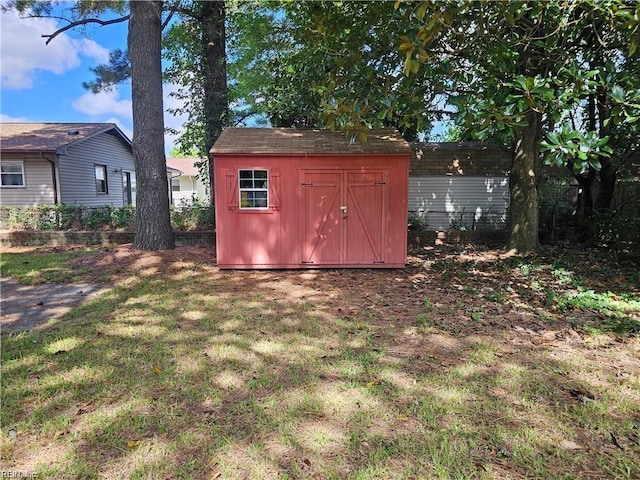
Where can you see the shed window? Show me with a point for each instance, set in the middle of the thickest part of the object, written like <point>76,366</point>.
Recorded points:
<point>254,188</point>
<point>101,179</point>
<point>12,174</point>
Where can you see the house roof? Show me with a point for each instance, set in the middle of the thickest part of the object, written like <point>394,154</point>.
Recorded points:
<point>50,137</point>
<point>458,146</point>
<point>307,141</point>
<point>186,166</point>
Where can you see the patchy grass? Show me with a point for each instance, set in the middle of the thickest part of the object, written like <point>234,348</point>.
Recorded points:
<point>455,367</point>
<point>51,266</point>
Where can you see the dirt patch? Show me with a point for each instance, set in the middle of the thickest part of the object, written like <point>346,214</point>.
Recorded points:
<point>26,307</point>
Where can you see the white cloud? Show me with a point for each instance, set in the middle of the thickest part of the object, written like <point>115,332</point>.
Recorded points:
<point>23,51</point>
<point>103,103</point>
<point>109,107</point>
<point>7,118</point>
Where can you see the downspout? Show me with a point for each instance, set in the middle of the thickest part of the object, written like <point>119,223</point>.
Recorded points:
<point>53,176</point>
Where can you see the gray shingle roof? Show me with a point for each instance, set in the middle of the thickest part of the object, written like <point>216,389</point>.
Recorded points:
<point>308,141</point>
<point>41,137</point>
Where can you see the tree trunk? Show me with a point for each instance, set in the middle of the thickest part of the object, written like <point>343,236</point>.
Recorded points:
<point>607,172</point>
<point>585,197</point>
<point>215,74</point>
<point>523,235</point>
<point>153,224</point>
<point>607,185</point>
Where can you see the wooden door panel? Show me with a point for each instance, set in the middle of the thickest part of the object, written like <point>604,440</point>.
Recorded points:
<point>332,236</point>
<point>322,242</point>
<point>366,201</point>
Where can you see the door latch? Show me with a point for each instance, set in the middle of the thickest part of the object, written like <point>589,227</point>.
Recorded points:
<point>343,209</point>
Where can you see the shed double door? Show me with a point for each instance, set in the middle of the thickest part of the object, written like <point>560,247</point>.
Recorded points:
<point>343,216</point>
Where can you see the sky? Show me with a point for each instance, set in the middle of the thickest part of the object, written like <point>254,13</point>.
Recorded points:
<point>43,83</point>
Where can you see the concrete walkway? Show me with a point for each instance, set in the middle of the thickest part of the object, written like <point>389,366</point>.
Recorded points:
<point>26,307</point>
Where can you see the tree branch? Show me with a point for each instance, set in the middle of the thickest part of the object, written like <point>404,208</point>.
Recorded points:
<point>84,21</point>
<point>244,117</point>
<point>168,19</point>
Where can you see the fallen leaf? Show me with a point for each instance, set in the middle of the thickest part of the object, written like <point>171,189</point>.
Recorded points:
<point>569,445</point>
<point>132,443</point>
<point>156,369</point>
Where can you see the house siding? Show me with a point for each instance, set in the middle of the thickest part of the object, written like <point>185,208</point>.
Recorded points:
<point>77,170</point>
<point>189,186</point>
<point>38,189</point>
<point>457,194</point>
<point>455,185</point>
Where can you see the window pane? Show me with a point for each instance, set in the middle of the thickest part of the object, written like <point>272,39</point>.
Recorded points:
<point>12,174</point>
<point>101,179</point>
<point>11,168</point>
<point>260,199</point>
<point>244,200</point>
<point>253,188</point>
<point>12,179</point>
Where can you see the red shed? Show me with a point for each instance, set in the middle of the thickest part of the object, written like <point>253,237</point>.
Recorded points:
<point>304,198</point>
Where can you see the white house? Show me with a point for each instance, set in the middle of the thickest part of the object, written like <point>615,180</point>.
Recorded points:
<point>187,184</point>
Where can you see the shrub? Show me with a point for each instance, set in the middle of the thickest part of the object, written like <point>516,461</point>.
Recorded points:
<point>418,222</point>
<point>194,215</point>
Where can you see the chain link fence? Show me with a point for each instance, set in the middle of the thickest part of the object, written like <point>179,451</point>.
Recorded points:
<point>460,221</point>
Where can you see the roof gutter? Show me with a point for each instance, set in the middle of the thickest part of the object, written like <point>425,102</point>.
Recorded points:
<point>53,176</point>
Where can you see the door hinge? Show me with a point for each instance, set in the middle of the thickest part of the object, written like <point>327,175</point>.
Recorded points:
<point>380,183</point>
<point>306,262</point>
<point>378,261</point>
<point>304,184</point>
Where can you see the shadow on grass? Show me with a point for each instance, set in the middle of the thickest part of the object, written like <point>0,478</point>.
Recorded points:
<point>210,374</point>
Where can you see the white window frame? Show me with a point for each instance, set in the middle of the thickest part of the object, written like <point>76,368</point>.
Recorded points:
<point>250,185</point>
<point>13,163</point>
<point>103,168</point>
<point>177,186</point>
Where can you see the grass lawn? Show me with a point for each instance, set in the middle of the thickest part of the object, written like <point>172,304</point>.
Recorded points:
<point>461,366</point>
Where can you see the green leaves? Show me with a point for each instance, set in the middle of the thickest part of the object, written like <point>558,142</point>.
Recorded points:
<point>626,107</point>
<point>571,147</point>
<point>528,93</point>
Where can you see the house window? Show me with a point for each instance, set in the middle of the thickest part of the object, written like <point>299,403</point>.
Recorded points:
<point>101,179</point>
<point>175,184</point>
<point>12,174</point>
<point>254,190</point>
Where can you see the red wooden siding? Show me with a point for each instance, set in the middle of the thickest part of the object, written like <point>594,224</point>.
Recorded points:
<point>305,226</point>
